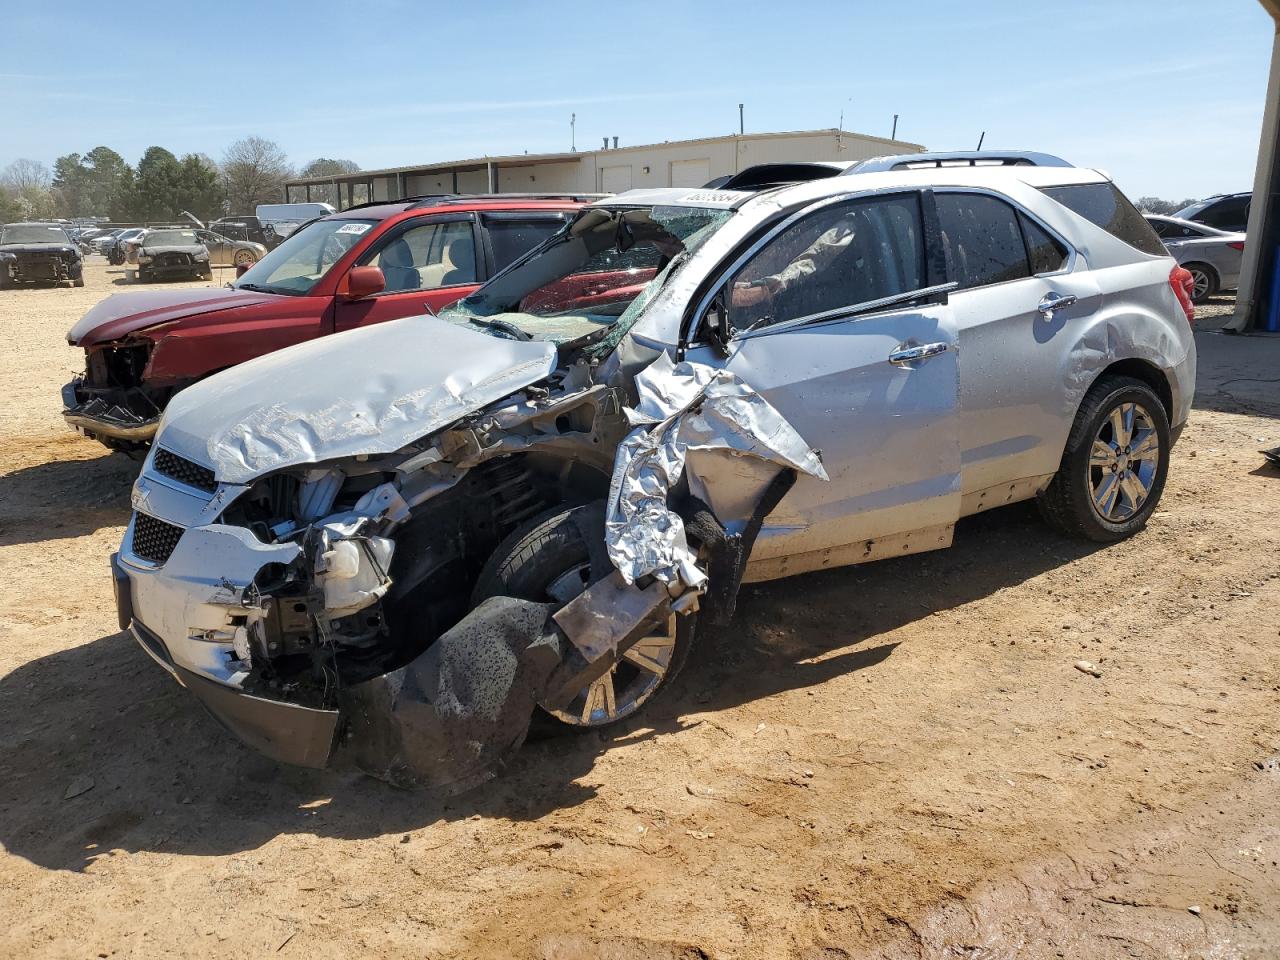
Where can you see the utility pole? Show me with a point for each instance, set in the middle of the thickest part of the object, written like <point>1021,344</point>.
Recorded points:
<point>573,133</point>
<point>741,127</point>
<point>894,135</point>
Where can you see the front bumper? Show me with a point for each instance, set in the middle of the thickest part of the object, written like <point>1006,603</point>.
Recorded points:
<point>37,269</point>
<point>286,732</point>
<point>97,417</point>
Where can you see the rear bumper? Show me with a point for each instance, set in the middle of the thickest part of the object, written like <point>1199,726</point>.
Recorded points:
<point>98,418</point>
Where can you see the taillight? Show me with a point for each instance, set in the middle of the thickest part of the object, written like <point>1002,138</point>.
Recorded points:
<point>1183,283</point>
<point>1236,245</point>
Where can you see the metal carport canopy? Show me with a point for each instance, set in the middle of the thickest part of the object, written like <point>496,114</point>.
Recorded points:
<point>1258,269</point>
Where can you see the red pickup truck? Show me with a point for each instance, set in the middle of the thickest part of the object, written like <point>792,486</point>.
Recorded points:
<point>364,265</point>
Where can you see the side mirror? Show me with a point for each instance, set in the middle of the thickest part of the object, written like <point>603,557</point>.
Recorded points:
<point>716,323</point>
<point>364,282</point>
<point>242,269</point>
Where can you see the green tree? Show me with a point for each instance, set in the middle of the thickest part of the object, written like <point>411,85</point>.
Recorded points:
<point>201,191</point>
<point>93,185</point>
<point>157,186</point>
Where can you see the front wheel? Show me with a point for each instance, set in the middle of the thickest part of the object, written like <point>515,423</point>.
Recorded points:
<point>549,560</point>
<point>1115,463</point>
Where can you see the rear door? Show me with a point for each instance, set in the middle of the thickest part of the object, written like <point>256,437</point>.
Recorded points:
<point>1009,267</point>
<point>854,346</point>
<point>428,263</point>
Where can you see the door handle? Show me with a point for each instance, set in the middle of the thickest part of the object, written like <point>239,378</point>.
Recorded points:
<point>1055,301</point>
<point>905,355</point>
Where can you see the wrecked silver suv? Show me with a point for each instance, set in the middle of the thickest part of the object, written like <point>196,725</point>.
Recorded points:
<point>398,543</point>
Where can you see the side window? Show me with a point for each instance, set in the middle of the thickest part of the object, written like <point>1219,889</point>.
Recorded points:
<point>427,256</point>
<point>511,238</point>
<point>982,239</point>
<point>840,256</point>
<point>1103,205</point>
<point>1163,228</point>
<point>1229,214</point>
<point>1045,253</point>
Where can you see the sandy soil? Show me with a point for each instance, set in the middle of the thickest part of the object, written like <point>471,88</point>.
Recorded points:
<point>897,760</point>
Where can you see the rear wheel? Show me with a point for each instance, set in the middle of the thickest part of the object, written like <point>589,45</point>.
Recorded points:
<point>1204,281</point>
<point>1114,466</point>
<point>550,561</point>
<point>245,257</point>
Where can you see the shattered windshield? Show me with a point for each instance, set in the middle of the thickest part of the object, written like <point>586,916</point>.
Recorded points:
<point>32,233</point>
<point>585,278</point>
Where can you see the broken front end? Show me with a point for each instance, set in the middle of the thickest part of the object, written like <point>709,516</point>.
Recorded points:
<point>112,401</point>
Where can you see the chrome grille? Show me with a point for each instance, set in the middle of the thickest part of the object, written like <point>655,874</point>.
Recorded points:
<point>154,540</point>
<point>184,470</point>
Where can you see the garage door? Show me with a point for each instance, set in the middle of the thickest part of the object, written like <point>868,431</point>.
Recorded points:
<point>615,179</point>
<point>690,173</point>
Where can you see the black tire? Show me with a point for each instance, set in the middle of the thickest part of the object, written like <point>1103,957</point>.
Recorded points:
<point>143,276</point>
<point>1068,503</point>
<point>528,561</point>
<point>1212,281</point>
<point>78,282</point>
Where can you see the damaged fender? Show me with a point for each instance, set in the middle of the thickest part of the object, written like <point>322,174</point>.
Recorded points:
<point>693,416</point>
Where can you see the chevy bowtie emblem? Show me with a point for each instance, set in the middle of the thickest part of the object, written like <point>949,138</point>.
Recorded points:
<point>141,494</point>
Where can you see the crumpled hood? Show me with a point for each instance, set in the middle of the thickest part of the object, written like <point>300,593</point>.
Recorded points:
<point>366,391</point>
<point>120,315</point>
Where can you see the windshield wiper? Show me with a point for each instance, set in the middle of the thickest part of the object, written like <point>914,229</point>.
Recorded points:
<point>503,325</point>
<point>256,287</point>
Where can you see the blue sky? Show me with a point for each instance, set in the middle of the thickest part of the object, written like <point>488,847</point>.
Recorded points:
<point>1165,96</point>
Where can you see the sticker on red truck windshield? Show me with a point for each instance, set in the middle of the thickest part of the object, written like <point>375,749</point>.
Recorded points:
<point>353,228</point>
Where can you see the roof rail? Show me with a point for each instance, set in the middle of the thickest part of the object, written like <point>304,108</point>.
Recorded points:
<point>574,197</point>
<point>958,158</point>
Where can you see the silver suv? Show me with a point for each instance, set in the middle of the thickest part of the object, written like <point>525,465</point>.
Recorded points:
<point>395,541</point>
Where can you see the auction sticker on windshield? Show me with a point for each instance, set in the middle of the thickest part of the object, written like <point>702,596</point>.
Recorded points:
<point>353,228</point>
<point>722,199</point>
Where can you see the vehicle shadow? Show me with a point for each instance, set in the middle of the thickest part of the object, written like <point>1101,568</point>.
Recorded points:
<point>103,751</point>
<point>90,494</point>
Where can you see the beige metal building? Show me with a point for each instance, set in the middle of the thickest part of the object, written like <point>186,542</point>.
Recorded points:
<point>607,169</point>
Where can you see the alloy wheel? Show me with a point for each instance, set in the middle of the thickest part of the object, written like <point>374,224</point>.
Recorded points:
<point>244,256</point>
<point>1123,462</point>
<point>1199,284</point>
<point>624,689</point>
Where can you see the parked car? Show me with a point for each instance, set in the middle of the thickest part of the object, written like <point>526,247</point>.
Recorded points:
<point>362,266</point>
<point>281,219</point>
<point>169,253</point>
<point>246,229</point>
<point>397,540</point>
<point>1223,211</point>
<point>36,253</point>
<point>1213,256</point>
<point>106,238</point>
<point>225,252</point>
<point>114,248</point>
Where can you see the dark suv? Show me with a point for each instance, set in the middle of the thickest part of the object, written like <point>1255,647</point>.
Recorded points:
<point>367,264</point>
<point>35,252</point>
<point>1224,211</point>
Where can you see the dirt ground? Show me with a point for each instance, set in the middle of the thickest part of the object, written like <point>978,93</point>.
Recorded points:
<point>897,760</point>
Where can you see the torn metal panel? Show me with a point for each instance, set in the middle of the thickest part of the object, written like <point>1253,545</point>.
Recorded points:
<point>451,718</point>
<point>693,409</point>
<point>601,620</point>
<point>367,391</point>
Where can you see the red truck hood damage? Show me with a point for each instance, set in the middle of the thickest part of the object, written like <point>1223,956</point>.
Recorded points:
<point>124,313</point>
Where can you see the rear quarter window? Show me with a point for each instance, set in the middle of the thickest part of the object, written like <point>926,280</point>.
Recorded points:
<point>512,238</point>
<point>1103,205</point>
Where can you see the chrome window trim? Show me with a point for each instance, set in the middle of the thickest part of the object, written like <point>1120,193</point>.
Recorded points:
<point>854,311</point>
<point>778,228</point>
